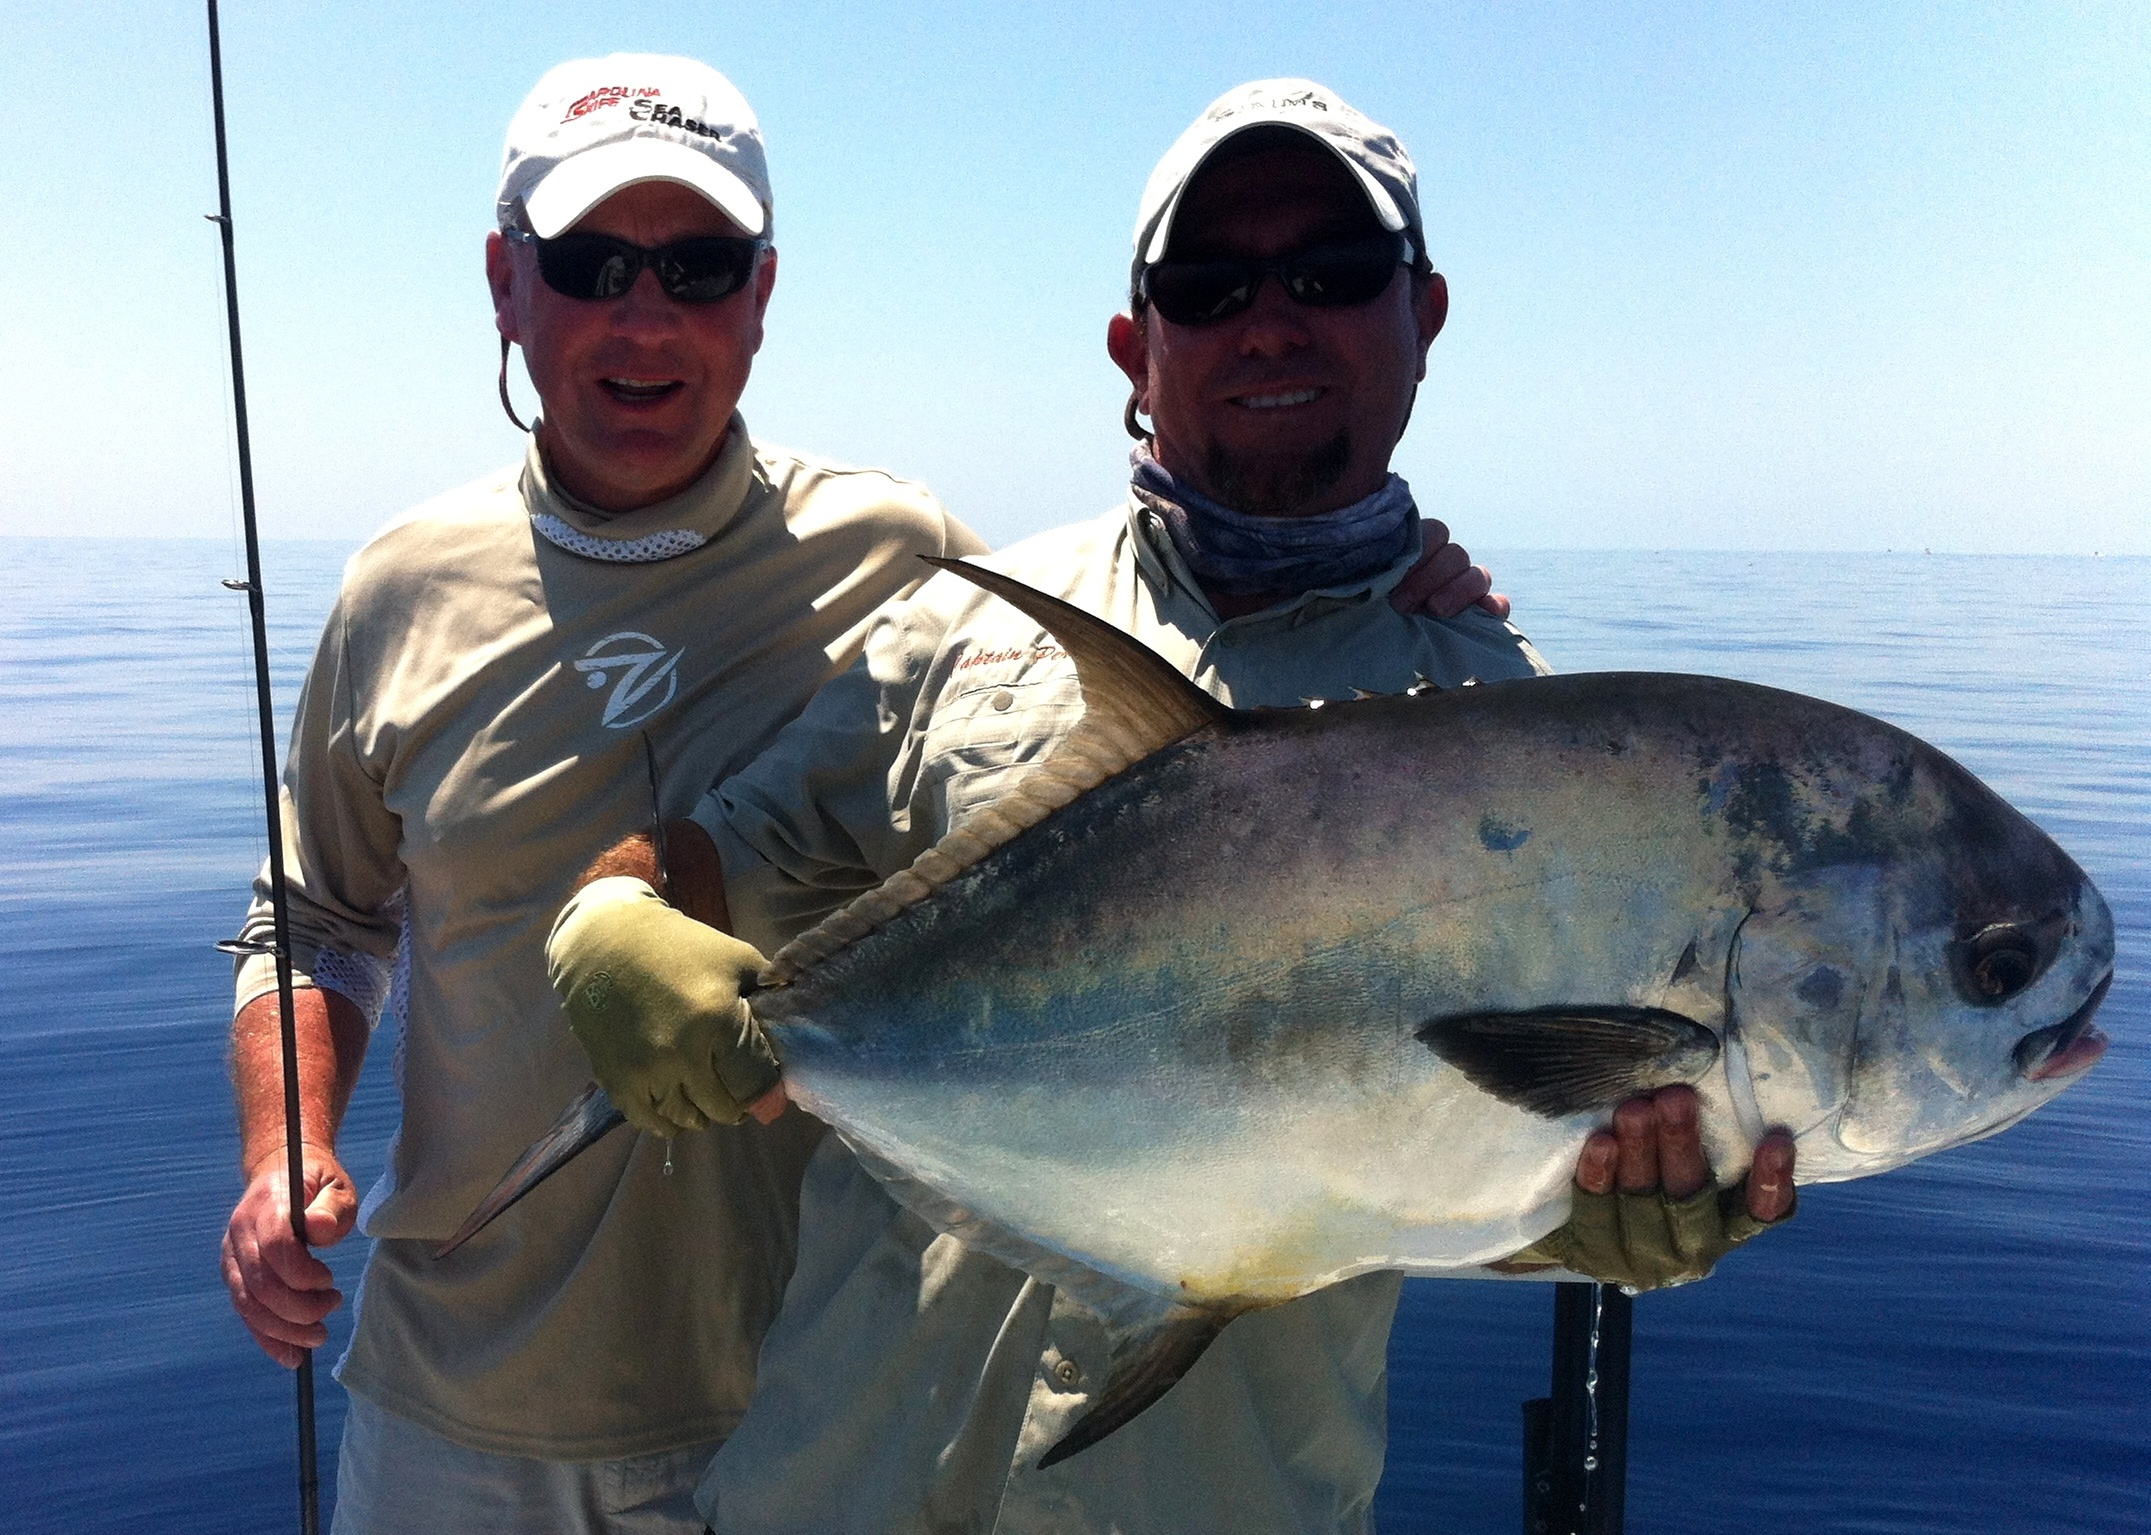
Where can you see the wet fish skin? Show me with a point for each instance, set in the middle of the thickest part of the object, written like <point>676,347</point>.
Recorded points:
<point>1172,1031</point>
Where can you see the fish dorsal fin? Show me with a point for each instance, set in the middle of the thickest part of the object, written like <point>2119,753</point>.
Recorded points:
<point>1134,703</point>
<point>1133,698</point>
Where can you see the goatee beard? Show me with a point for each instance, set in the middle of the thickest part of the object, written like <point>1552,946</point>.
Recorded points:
<point>1277,484</point>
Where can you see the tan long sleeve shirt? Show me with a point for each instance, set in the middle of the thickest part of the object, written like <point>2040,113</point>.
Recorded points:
<point>910,1384</point>
<point>469,738</point>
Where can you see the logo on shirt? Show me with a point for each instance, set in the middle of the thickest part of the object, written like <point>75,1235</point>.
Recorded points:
<point>648,676</point>
<point>1044,650</point>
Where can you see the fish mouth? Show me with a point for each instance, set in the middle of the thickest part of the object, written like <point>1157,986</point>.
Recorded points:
<point>2068,1048</point>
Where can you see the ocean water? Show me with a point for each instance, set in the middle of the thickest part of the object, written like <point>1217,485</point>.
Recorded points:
<point>1964,1345</point>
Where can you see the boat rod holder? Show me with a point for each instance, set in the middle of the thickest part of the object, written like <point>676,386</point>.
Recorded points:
<point>1576,1440</point>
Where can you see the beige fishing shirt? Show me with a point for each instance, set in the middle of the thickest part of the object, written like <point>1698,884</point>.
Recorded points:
<point>469,738</point>
<point>910,1384</point>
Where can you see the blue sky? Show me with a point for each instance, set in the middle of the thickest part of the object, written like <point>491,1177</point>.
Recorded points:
<point>1828,277</point>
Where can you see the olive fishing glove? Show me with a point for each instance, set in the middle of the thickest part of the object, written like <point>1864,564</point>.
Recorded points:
<point>654,996</point>
<point>1647,1241</point>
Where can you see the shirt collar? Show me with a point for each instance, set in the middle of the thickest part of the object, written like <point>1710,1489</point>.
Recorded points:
<point>676,525</point>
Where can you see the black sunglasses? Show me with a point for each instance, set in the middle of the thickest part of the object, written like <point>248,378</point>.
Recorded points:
<point>699,270</point>
<point>1326,277</point>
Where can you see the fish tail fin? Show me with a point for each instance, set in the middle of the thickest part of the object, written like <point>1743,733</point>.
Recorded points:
<point>1142,1372</point>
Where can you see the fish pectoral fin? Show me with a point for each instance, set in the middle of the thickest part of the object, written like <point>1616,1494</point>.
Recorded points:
<point>1143,1370</point>
<point>1557,1061</point>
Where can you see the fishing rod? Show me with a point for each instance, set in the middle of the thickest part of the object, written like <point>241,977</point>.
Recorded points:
<point>280,947</point>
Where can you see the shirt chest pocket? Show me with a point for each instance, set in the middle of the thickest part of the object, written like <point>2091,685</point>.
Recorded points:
<point>1001,719</point>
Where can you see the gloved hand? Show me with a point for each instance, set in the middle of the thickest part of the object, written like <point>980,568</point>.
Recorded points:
<point>655,998</point>
<point>1646,1238</point>
<point>1648,1241</point>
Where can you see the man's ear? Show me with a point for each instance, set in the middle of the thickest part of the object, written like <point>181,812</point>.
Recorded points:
<point>1430,309</point>
<point>1127,342</point>
<point>500,277</point>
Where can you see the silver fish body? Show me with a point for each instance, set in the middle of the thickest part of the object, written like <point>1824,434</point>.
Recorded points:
<point>1178,1032</point>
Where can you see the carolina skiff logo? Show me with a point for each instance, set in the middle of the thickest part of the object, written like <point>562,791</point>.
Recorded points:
<point>606,96</point>
<point>649,676</point>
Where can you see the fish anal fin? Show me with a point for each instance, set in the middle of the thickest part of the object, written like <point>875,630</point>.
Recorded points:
<point>1557,1061</point>
<point>1134,703</point>
<point>1143,1370</point>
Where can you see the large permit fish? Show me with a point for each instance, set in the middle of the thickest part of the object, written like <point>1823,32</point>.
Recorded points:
<point>1217,1007</point>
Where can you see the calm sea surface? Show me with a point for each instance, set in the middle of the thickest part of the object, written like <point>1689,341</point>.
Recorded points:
<point>1964,1345</point>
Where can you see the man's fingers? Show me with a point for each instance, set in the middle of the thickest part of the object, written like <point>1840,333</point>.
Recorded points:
<point>1494,602</point>
<point>1460,591</point>
<point>1636,1124</point>
<point>293,1266</point>
<point>1682,1168</point>
<point>1595,1168</point>
<point>1770,1179</point>
<point>770,1107</point>
<point>268,1328</point>
<point>1441,564</point>
<point>679,1111</point>
<point>266,1303</point>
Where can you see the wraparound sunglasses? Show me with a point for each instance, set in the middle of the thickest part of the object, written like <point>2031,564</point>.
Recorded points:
<point>699,270</point>
<point>1326,277</point>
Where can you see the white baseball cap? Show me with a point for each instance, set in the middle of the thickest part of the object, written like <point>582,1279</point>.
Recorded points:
<point>1372,154</point>
<point>593,126</point>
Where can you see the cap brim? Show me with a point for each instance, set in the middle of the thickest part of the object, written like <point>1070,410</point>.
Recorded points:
<point>1385,206</point>
<point>579,183</point>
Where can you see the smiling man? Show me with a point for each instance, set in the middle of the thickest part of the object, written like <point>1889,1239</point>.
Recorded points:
<point>1281,312</point>
<point>474,729</point>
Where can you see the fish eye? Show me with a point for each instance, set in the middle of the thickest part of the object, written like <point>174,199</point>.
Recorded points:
<point>2000,961</point>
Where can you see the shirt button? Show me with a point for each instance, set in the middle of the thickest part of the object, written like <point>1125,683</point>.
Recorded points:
<point>1003,699</point>
<point>1068,1373</point>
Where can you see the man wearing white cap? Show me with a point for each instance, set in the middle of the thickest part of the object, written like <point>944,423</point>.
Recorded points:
<point>473,728</point>
<point>502,668</point>
<point>1281,313</point>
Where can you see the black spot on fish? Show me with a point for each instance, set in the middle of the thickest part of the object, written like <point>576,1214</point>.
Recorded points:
<point>1688,964</point>
<point>1823,989</point>
<point>1763,803</point>
<point>1499,836</point>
